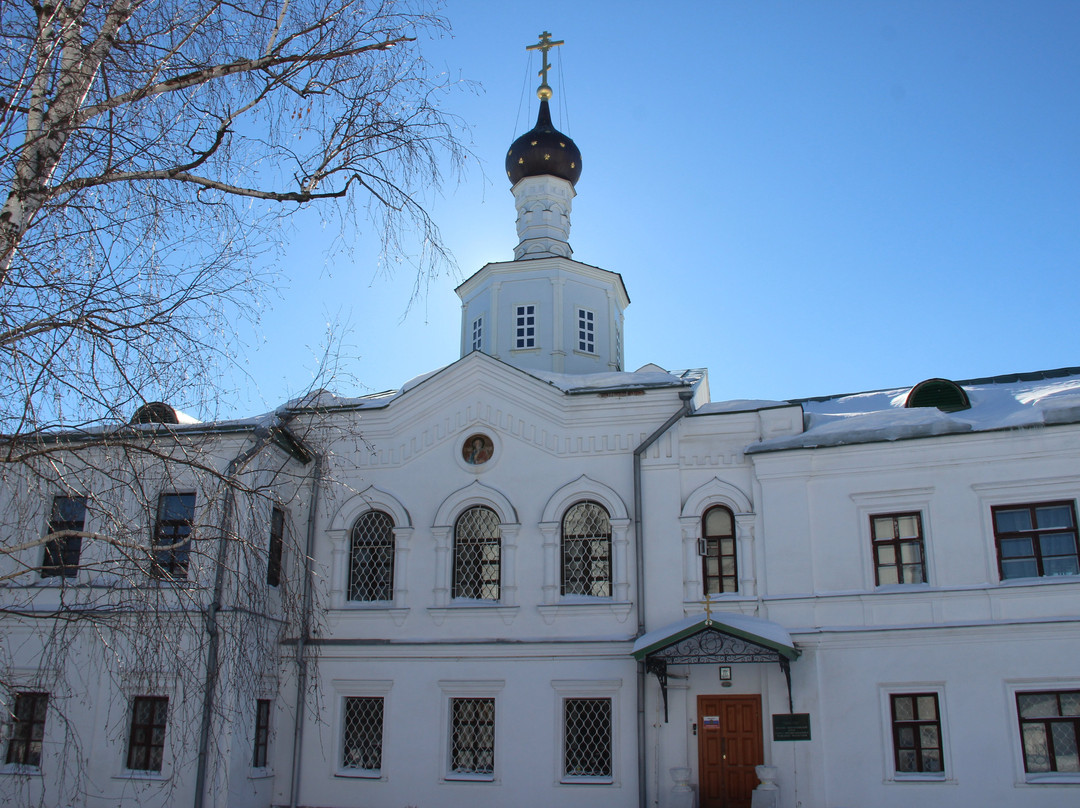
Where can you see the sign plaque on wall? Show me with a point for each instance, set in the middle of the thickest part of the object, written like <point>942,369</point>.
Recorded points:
<point>791,727</point>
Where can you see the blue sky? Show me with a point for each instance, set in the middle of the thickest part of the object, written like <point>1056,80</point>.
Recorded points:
<point>804,197</point>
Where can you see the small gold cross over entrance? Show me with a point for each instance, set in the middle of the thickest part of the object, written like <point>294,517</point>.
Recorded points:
<point>707,603</point>
<point>543,92</point>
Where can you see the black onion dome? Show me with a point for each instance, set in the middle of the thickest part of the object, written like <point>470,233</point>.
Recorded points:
<point>543,150</point>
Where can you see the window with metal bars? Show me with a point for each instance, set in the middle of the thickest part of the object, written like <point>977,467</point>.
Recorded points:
<point>916,725</point>
<point>62,553</point>
<point>146,742</point>
<point>262,733</point>
<point>472,736</point>
<point>586,550</point>
<point>1036,540</point>
<point>477,555</point>
<point>371,558</point>
<point>172,535</point>
<point>27,729</point>
<point>899,557</point>
<point>718,561</point>
<point>275,547</point>
<point>1050,730</point>
<point>362,734</point>
<point>587,738</point>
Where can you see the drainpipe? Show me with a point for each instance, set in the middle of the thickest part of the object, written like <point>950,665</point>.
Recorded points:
<point>687,398</point>
<point>305,631</point>
<point>262,438</point>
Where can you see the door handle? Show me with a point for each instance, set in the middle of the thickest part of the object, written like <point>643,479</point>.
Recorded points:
<point>723,748</point>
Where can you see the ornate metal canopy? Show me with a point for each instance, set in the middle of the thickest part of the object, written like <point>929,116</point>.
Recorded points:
<point>711,640</point>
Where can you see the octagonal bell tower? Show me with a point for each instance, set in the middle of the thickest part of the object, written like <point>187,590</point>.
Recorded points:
<point>544,311</point>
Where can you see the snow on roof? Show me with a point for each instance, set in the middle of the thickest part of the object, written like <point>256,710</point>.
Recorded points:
<point>650,376</point>
<point>747,626</point>
<point>1004,402</point>
<point>740,405</point>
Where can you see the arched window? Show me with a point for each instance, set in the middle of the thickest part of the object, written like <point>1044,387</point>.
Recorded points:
<point>719,571</point>
<point>586,551</point>
<point>371,558</point>
<point>477,554</point>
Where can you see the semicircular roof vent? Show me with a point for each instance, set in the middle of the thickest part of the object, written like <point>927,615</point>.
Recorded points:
<point>155,412</point>
<point>947,396</point>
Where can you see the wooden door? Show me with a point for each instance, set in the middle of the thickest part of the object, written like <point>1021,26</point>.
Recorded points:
<point>729,746</point>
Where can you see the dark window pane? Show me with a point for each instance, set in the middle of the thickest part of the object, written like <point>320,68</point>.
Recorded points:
<point>27,728</point>
<point>1027,552</point>
<point>172,535</point>
<point>275,547</point>
<point>62,553</point>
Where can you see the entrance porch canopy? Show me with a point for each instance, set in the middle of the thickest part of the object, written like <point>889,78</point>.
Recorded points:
<point>715,638</point>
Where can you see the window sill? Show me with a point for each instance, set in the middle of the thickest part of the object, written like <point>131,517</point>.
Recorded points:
<point>360,774</point>
<point>886,588</point>
<point>134,774</point>
<point>20,770</point>
<point>919,777</point>
<point>1040,580</point>
<point>463,777</point>
<point>260,773</point>
<point>1052,779</point>
<point>587,781</point>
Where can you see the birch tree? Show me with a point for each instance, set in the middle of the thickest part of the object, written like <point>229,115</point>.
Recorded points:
<point>148,149</point>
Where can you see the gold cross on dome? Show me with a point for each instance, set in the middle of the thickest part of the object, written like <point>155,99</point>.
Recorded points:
<point>544,45</point>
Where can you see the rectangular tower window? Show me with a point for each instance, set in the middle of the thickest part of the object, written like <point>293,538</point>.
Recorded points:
<point>586,331</point>
<point>478,334</point>
<point>525,326</point>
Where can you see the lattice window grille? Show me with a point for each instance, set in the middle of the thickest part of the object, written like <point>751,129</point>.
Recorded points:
<point>362,733</point>
<point>477,555</point>
<point>586,548</point>
<point>587,737</point>
<point>472,743</point>
<point>371,558</point>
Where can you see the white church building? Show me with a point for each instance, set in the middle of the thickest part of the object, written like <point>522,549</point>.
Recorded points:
<point>534,578</point>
